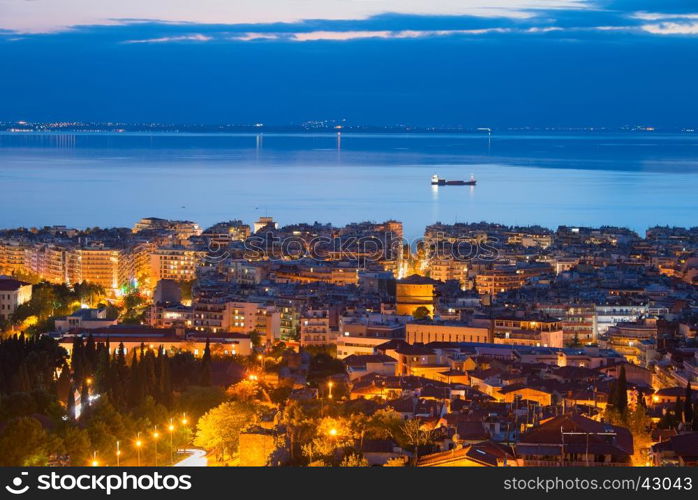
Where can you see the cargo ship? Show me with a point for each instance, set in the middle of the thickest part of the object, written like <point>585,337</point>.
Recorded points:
<point>437,181</point>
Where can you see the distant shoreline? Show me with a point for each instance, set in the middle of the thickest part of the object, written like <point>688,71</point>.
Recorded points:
<point>114,127</point>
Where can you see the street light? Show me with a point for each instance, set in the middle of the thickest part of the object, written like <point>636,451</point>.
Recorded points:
<point>260,358</point>
<point>118,453</point>
<point>139,443</point>
<point>333,432</point>
<point>330,384</point>
<point>156,436</point>
<point>94,462</point>
<point>171,428</point>
<point>184,419</point>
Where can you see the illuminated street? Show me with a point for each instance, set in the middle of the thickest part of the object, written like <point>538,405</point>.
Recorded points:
<point>197,458</point>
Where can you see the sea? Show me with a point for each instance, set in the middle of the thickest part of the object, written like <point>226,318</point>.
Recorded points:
<point>635,179</point>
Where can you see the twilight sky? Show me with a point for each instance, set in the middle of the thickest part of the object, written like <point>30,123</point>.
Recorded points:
<point>439,62</point>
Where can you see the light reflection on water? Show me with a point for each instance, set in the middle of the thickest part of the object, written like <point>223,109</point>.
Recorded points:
<point>114,179</point>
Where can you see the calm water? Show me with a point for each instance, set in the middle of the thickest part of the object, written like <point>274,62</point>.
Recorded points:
<point>83,180</point>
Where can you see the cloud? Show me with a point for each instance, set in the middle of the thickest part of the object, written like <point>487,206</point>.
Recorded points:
<point>487,19</point>
<point>44,17</point>
<point>198,37</point>
<point>343,36</point>
<point>662,16</point>
<point>552,67</point>
<point>671,28</point>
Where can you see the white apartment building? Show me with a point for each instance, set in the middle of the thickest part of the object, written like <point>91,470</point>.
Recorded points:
<point>13,293</point>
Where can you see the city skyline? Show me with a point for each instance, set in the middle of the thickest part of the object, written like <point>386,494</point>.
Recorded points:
<point>348,234</point>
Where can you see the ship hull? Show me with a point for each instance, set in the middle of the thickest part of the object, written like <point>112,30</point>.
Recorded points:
<point>442,182</point>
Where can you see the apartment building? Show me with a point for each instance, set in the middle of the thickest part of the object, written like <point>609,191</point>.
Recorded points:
<point>107,267</point>
<point>175,263</point>
<point>182,229</point>
<point>315,328</point>
<point>442,269</point>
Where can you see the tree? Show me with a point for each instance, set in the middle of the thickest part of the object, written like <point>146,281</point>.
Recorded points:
<point>118,376</point>
<point>395,462</point>
<point>219,429</point>
<point>639,424</point>
<point>76,443</point>
<point>205,374</point>
<point>84,398</point>
<point>300,428</point>
<point>63,384</point>
<point>688,406</point>
<point>621,393</point>
<point>413,435</point>
<point>136,382</point>
<point>245,390</point>
<point>256,338</point>
<point>421,313</point>
<point>185,288</point>
<point>197,400</point>
<point>354,460</point>
<point>384,424</point>
<point>134,307</point>
<point>24,443</point>
<point>70,404</point>
<point>322,366</point>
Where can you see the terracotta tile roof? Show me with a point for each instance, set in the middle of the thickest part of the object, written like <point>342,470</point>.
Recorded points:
<point>683,445</point>
<point>548,434</point>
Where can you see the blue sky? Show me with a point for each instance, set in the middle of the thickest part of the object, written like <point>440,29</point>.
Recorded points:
<point>499,63</point>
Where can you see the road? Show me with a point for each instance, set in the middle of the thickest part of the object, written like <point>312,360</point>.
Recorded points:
<point>196,458</point>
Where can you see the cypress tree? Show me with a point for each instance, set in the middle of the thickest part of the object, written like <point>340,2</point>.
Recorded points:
<point>63,385</point>
<point>613,394</point>
<point>135,382</point>
<point>164,378</point>
<point>102,370</point>
<point>148,366</point>
<point>205,374</point>
<point>70,405</point>
<point>118,378</point>
<point>84,398</point>
<point>688,405</point>
<point>622,392</point>
<point>678,411</point>
<point>90,355</point>
<point>21,381</point>
<point>76,359</point>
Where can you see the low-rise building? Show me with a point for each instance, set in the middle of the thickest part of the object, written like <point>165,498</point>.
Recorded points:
<point>426,331</point>
<point>86,319</point>
<point>13,293</point>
